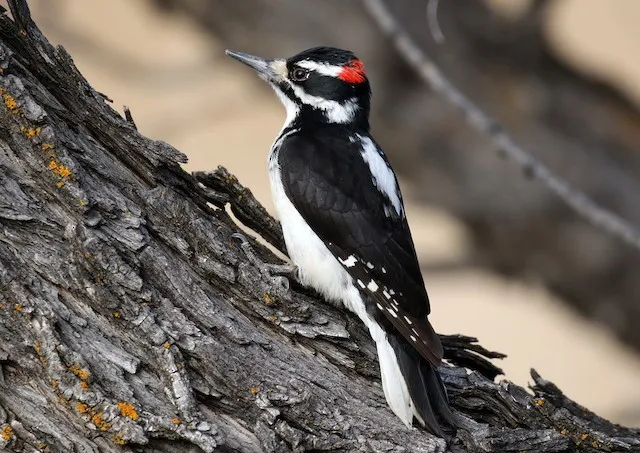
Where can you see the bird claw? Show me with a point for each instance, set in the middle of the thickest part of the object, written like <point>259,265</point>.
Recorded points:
<point>277,273</point>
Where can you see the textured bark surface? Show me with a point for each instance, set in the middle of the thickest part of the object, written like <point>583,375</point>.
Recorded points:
<point>581,129</point>
<point>130,320</point>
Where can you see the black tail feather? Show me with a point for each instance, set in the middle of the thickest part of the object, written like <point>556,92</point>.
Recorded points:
<point>425,386</point>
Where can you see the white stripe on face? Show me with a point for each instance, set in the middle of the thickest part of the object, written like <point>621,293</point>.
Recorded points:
<point>334,111</point>
<point>321,68</point>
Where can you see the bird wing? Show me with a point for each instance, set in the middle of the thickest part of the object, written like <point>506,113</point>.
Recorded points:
<point>336,191</point>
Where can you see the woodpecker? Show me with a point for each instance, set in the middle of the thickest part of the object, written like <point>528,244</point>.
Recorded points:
<point>344,222</point>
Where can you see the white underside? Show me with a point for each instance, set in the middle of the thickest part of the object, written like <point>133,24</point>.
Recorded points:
<point>319,269</point>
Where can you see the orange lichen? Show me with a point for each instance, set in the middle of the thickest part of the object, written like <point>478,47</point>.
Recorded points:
<point>59,169</point>
<point>7,432</point>
<point>82,408</point>
<point>84,385</point>
<point>175,421</point>
<point>37,347</point>
<point>1,306</point>
<point>584,436</point>
<point>98,420</point>
<point>47,146</point>
<point>254,390</point>
<point>166,345</point>
<point>55,384</point>
<point>79,371</point>
<point>18,307</point>
<point>128,410</point>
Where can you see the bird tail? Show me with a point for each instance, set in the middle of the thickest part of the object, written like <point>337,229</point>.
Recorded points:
<point>420,381</point>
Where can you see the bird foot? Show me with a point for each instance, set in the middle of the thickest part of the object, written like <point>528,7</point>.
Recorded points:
<point>279,274</point>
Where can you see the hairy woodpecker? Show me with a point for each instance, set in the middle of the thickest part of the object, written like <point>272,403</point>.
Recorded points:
<point>344,223</point>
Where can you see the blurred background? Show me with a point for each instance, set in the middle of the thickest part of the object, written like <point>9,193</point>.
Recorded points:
<point>503,259</point>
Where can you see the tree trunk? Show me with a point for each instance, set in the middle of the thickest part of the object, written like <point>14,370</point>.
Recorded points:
<point>132,322</point>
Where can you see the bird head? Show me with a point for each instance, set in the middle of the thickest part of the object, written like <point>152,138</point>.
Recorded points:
<point>323,84</point>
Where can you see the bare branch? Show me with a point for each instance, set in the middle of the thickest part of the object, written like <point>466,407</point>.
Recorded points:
<point>431,74</point>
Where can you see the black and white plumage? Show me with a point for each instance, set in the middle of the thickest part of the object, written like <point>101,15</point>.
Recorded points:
<point>344,224</point>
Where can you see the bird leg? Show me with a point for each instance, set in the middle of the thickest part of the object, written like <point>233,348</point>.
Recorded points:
<point>278,273</point>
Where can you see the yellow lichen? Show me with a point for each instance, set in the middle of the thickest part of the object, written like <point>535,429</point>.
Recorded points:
<point>539,402</point>
<point>118,439</point>
<point>254,390</point>
<point>10,102</point>
<point>7,432</point>
<point>127,410</point>
<point>116,314</point>
<point>47,146</point>
<point>79,371</point>
<point>55,384</point>
<point>166,345</point>
<point>175,421</point>
<point>98,420</point>
<point>267,298</point>
<point>584,436</point>
<point>30,132</point>
<point>37,347</point>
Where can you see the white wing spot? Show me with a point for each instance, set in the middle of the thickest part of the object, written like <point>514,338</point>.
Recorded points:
<point>372,286</point>
<point>380,307</point>
<point>386,294</point>
<point>413,338</point>
<point>406,318</point>
<point>370,266</point>
<point>349,262</point>
<point>361,283</point>
<point>384,271</point>
<point>383,176</point>
<point>392,292</point>
<point>393,313</point>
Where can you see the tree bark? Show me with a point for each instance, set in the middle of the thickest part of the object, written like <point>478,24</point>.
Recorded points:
<point>132,322</point>
<point>582,129</point>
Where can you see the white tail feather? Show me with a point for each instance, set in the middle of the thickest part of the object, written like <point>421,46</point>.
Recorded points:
<point>393,384</point>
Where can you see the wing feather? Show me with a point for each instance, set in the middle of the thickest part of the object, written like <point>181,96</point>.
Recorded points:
<point>334,191</point>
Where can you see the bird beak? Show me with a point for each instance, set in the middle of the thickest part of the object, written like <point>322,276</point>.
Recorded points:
<point>264,67</point>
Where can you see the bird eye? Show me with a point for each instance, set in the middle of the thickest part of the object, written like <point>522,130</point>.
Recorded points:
<point>299,75</point>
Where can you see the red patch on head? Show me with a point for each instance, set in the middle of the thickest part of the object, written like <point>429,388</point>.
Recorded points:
<point>353,72</point>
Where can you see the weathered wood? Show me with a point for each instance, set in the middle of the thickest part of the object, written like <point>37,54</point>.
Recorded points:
<point>131,322</point>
